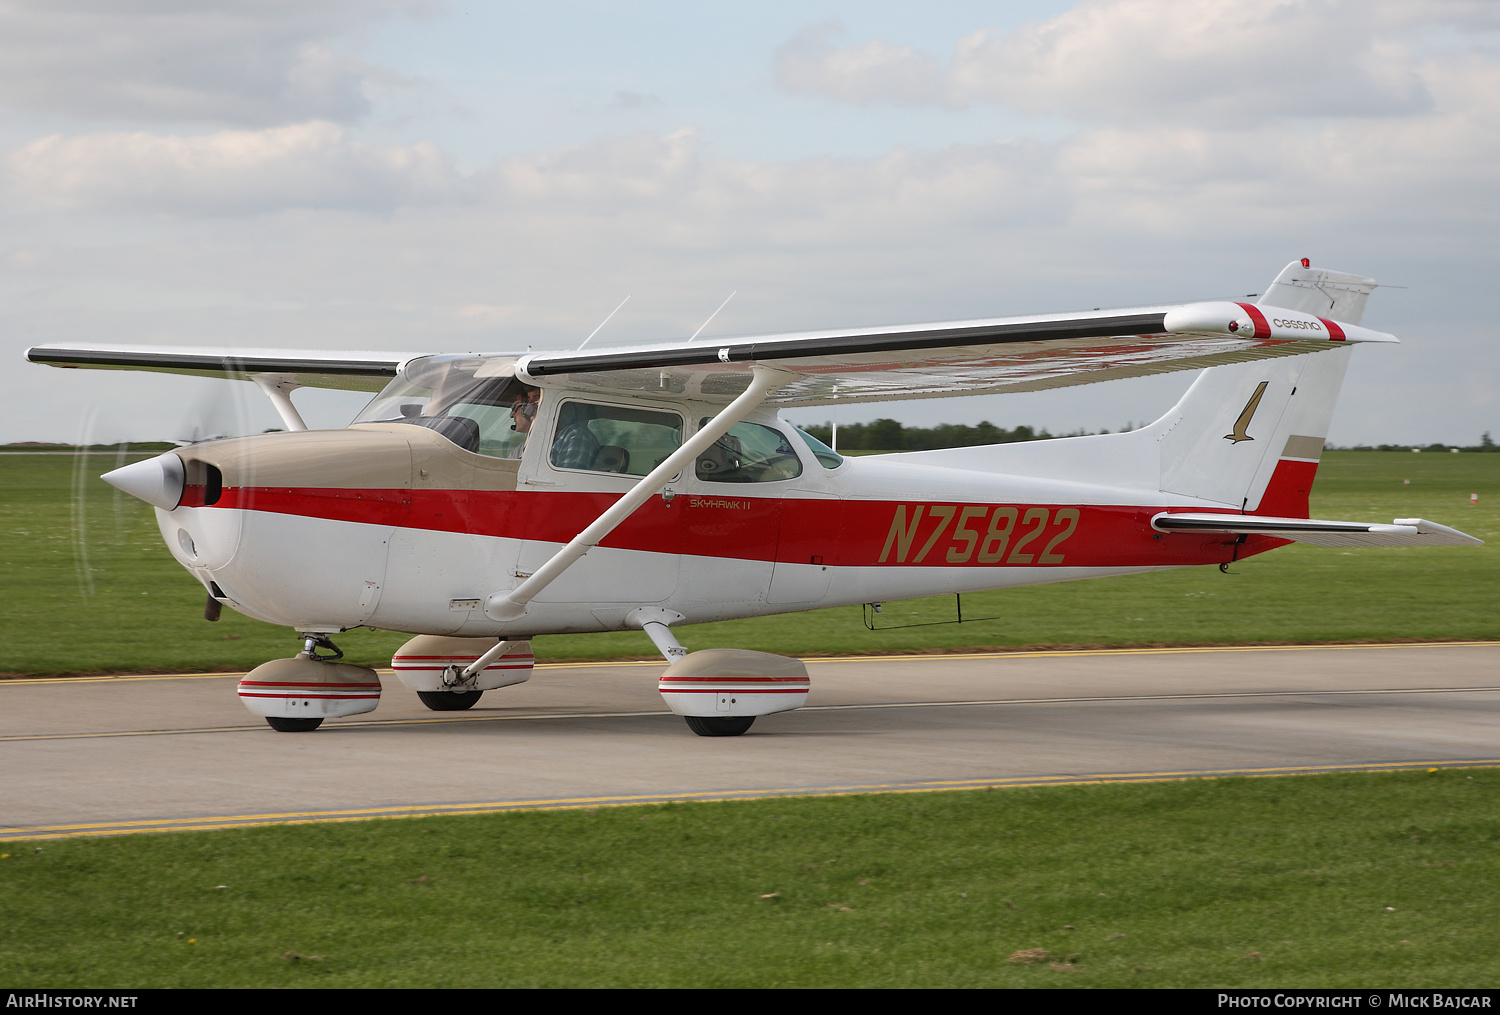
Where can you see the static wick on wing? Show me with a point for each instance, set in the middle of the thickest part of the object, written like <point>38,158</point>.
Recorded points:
<point>602,323</point>
<point>713,315</point>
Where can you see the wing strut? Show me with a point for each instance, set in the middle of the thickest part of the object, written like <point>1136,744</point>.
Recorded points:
<point>511,605</point>
<point>278,388</point>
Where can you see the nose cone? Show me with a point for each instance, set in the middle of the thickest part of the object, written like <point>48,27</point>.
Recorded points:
<point>157,481</point>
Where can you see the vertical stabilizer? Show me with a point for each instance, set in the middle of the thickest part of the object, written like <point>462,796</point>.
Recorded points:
<point>1249,435</point>
<point>1320,292</point>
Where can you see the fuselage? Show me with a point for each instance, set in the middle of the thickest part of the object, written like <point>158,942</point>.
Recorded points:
<point>396,526</point>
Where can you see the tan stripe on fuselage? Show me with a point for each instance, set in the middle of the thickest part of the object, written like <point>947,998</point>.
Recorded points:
<point>371,456</point>
<point>1309,448</point>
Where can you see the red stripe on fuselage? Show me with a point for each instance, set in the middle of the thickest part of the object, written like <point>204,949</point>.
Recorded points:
<point>848,533</point>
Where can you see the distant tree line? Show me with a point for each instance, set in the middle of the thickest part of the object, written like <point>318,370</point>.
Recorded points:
<point>892,435</point>
<point>1485,444</point>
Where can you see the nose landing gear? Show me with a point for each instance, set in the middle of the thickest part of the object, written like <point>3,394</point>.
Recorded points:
<point>295,695</point>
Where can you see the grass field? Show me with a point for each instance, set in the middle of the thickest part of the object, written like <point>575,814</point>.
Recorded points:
<point>1389,880</point>
<point>90,587</point>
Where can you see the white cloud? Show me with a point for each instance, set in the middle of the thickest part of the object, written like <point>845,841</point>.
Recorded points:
<point>871,72</point>
<point>231,172</point>
<point>163,237</point>
<point>1200,61</point>
<point>243,62</point>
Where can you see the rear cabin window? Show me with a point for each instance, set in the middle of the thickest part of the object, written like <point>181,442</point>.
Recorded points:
<point>609,438</point>
<point>749,453</point>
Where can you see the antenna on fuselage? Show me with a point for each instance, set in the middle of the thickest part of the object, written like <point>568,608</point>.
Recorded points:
<point>602,323</point>
<point>833,423</point>
<point>713,315</point>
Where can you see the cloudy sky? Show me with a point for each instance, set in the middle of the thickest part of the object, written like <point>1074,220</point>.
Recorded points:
<point>425,175</point>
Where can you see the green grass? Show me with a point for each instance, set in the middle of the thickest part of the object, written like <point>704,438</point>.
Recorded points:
<point>1388,879</point>
<point>113,599</point>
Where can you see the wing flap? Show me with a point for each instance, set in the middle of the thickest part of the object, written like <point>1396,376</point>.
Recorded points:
<point>1319,532</point>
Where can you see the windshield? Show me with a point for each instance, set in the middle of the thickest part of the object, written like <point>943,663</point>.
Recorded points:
<point>472,401</point>
<point>826,456</point>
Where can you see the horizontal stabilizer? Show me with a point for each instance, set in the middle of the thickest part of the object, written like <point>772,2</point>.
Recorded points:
<point>1401,532</point>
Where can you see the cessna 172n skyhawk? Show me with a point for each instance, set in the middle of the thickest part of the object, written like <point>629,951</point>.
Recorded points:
<point>481,500</point>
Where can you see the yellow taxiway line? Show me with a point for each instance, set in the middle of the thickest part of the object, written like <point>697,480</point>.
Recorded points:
<point>209,823</point>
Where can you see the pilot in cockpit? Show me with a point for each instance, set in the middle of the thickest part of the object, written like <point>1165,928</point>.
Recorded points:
<point>523,415</point>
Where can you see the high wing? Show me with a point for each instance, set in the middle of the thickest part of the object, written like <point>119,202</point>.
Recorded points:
<point>953,358</point>
<point>823,367</point>
<point>354,371</point>
<point>1401,532</point>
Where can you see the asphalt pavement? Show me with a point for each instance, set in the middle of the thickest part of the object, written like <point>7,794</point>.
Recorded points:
<point>102,755</point>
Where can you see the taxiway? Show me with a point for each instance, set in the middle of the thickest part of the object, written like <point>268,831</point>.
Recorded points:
<point>101,756</point>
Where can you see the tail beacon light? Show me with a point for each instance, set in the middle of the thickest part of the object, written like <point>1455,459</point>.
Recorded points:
<point>734,682</point>
<point>432,663</point>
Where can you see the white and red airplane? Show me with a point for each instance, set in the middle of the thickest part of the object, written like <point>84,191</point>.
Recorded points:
<point>480,500</point>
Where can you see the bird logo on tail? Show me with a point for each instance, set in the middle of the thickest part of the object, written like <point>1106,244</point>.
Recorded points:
<point>1246,415</point>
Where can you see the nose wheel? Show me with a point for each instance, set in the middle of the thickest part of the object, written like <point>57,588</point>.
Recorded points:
<point>450,701</point>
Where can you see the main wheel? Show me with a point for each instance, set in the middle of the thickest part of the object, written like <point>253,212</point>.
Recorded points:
<point>719,726</point>
<point>449,701</point>
<point>281,725</point>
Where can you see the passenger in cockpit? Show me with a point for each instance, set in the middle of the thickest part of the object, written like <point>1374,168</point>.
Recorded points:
<point>575,445</point>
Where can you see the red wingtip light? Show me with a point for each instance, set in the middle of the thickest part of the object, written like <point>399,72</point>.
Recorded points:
<point>1306,262</point>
